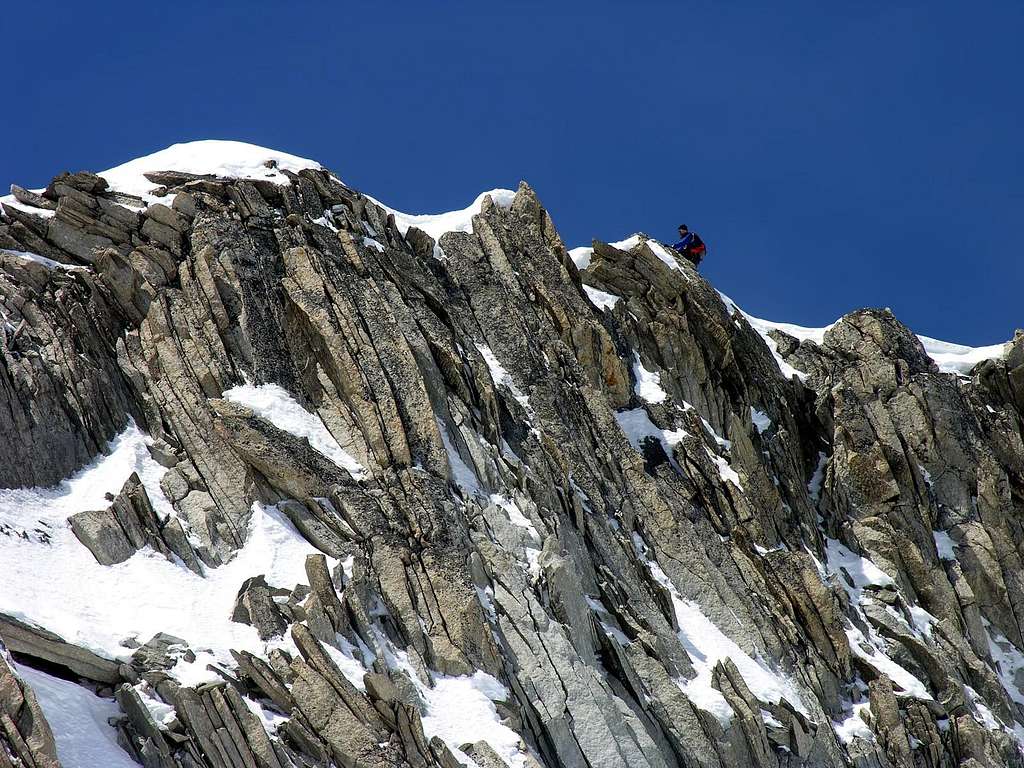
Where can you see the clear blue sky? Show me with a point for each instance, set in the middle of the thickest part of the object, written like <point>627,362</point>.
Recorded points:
<point>833,155</point>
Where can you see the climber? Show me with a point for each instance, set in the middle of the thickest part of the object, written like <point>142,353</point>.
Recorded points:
<point>690,245</point>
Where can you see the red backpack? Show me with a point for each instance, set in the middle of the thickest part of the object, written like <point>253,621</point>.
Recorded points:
<point>696,250</point>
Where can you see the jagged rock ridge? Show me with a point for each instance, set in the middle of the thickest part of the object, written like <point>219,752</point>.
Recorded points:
<point>413,498</point>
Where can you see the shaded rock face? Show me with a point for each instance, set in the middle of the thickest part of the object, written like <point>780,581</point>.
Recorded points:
<point>663,551</point>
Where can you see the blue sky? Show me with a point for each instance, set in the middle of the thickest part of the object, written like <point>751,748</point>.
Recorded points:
<point>833,155</point>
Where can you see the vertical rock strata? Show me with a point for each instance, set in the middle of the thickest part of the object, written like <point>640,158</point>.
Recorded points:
<point>666,552</point>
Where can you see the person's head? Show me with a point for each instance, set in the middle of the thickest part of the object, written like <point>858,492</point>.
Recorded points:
<point>683,229</point>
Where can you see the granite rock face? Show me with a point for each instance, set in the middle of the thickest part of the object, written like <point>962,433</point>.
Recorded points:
<point>610,528</point>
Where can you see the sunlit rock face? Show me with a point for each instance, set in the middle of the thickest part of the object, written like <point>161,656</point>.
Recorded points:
<point>293,479</point>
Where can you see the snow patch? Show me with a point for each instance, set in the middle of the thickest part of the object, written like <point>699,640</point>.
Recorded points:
<point>609,624</point>
<point>944,545</point>
<point>760,420</point>
<point>860,570</point>
<point>345,659</point>
<point>60,587</point>
<point>163,714</point>
<point>600,299</point>
<point>855,573</point>
<point>462,474</point>
<point>1008,662</point>
<point>460,710</point>
<point>13,202</point>
<point>78,718</point>
<point>814,484</point>
<point>502,377</point>
<point>275,404</point>
<point>648,383</point>
<point>958,358</point>
<point>854,726</point>
<point>624,245</point>
<point>581,257</point>
<point>666,257</point>
<point>706,645</point>
<point>515,515</point>
<point>725,470</point>
<point>869,651</point>
<point>637,426</point>
<point>231,159</point>
<point>949,357</point>
<point>436,224</point>
<point>35,257</point>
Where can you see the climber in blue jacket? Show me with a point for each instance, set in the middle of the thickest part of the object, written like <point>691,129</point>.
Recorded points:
<point>690,245</point>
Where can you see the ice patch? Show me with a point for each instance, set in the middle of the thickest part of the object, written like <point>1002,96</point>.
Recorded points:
<point>275,404</point>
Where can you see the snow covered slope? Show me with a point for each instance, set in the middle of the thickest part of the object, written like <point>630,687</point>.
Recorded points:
<point>79,720</point>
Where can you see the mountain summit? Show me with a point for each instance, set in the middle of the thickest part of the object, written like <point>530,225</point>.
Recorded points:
<point>293,479</point>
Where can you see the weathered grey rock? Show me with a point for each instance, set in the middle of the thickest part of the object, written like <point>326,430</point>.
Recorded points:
<point>42,644</point>
<point>767,560</point>
<point>255,606</point>
<point>62,396</point>
<point>34,199</point>
<point>130,523</point>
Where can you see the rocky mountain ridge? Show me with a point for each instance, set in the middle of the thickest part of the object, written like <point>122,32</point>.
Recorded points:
<point>300,480</point>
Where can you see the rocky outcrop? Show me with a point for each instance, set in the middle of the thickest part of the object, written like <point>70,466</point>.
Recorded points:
<point>130,523</point>
<point>611,529</point>
<point>39,643</point>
